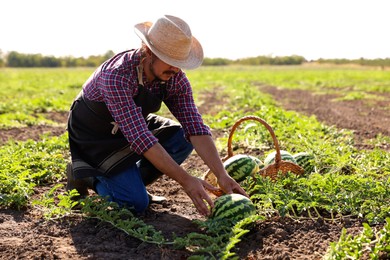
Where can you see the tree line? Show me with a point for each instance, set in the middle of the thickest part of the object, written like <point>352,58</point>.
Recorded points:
<point>361,61</point>
<point>259,60</point>
<point>15,59</point>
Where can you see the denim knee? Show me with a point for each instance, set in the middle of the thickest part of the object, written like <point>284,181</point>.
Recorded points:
<point>125,188</point>
<point>139,205</point>
<point>178,147</point>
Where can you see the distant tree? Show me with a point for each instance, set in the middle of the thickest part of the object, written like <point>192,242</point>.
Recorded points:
<point>268,60</point>
<point>50,61</point>
<point>362,61</point>
<point>80,62</point>
<point>2,61</point>
<point>216,62</point>
<point>14,59</point>
<point>68,61</point>
<point>108,55</point>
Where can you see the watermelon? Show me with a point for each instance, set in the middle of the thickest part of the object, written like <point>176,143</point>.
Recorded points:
<point>240,166</point>
<point>259,163</point>
<point>286,156</point>
<point>305,160</point>
<point>233,207</point>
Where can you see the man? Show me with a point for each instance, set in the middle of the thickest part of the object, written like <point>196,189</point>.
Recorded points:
<point>118,146</point>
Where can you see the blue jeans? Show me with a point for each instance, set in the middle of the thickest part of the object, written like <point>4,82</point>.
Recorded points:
<point>127,188</point>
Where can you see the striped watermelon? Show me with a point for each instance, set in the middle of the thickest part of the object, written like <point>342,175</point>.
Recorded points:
<point>305,160</point>
<point>259,163</point>
<point>234,207</point>
<point>286,156</point>
<point>240,166</point>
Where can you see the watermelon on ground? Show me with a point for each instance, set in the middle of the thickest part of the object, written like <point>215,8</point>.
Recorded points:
<point>234,207</point>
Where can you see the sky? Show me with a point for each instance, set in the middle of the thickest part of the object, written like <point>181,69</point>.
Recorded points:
<point>230,29</point>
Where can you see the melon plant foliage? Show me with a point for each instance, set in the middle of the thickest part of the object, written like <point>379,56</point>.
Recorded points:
<point>345,182</point>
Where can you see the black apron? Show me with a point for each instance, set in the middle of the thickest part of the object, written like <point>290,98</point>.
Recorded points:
<point>97,146</point>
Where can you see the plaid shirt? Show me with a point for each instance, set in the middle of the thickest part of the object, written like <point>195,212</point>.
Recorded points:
<point>115,83</point>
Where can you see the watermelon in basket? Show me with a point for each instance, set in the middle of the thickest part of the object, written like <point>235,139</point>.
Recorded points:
<point>242,167</point>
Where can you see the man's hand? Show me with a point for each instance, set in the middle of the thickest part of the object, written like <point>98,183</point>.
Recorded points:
<point>205,147</point>
<point>229,185</point>
<point>195,189</point>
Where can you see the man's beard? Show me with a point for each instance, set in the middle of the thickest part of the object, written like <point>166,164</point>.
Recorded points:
<point>168,73</point>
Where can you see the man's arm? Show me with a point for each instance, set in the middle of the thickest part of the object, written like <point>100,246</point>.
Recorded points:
<point>194,187</point>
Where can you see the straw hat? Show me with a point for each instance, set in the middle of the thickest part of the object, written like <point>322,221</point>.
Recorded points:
<point>171,40</point>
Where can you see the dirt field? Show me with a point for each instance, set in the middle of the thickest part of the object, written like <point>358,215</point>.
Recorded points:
<point>24,235</point>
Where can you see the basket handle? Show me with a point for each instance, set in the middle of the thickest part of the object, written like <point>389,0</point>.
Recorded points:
<point>278,157</point>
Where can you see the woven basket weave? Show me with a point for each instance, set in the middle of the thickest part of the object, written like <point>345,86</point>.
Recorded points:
<point>278,167</point>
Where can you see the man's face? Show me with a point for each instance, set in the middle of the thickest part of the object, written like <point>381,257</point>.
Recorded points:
<point>162,70</point>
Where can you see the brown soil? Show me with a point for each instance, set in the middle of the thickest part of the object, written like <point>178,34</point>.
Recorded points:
<point>366,118</point>
<point>25,235</point>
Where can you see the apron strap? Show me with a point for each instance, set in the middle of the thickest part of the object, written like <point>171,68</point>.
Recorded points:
<point>140,69</point>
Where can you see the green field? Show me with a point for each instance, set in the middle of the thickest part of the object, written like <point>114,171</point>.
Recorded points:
<point>27,93</point>
<point>345,181</point>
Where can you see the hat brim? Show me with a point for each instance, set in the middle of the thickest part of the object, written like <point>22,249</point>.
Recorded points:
<point>195,56</point>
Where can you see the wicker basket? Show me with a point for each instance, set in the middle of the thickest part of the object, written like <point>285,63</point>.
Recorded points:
<point>272,170</point>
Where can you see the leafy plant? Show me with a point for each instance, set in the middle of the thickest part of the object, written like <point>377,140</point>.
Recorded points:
<point>322,196</point>
<point>121,218</point>
<point>370,244</point>
<point>217,239</point>
<point>24,165</point>
<point>54,204</point>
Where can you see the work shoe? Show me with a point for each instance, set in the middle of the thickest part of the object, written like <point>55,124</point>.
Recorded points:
<point>153,199</point>
<point>81,185</point>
